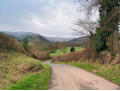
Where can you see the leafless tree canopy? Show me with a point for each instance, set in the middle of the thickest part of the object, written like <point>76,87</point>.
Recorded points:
<point>88,5</point>
<point>86,27</point>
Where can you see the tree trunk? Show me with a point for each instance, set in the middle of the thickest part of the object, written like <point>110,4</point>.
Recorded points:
<point>91,46</point>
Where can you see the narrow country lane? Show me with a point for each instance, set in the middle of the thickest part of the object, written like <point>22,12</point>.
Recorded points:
<point>66,77</point>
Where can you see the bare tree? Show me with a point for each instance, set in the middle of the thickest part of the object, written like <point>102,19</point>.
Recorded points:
<point>88,5</point>
<point>87,27</point>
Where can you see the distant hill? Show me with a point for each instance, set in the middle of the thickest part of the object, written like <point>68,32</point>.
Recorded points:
<point>21,35</point>
<point>42,39</point>
<point>79,40</point>
<point>58,39</point>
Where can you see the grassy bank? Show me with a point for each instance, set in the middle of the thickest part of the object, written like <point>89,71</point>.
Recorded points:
<point>111,73</point>
<point>36,81</point>
<point>67,50</point>
<point>20,72</point>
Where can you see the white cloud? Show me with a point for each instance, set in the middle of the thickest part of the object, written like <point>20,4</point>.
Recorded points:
<point>46,17</point>
<point>57,21</point>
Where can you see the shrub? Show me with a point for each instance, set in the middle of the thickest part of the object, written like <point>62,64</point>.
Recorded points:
<point>74,56</point>
<point>41,55</point>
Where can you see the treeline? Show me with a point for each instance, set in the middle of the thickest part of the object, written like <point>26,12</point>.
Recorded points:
<point>33,48</point>
<point>9,44</point>
<point>43,50</point>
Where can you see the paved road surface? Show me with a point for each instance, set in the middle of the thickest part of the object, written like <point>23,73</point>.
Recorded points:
<point>66,77</point>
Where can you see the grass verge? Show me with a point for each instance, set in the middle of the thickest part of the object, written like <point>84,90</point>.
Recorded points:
<point>20,72</point>
<point>37,81</point>
<point>111,73</point>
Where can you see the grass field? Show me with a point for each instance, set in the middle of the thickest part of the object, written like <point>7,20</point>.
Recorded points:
<point>111,73</point>
<point>67,50</point>
<point>20,72</point>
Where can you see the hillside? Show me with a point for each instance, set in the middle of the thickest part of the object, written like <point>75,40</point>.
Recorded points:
<point>58,39</point>
<point>21,35</point>
<point>18,72</point>
<point>79,40</point>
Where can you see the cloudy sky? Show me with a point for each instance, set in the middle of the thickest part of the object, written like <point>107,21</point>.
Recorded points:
<point>46,17</point>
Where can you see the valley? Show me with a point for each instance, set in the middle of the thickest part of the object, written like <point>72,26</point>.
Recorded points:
<point>59,44</point>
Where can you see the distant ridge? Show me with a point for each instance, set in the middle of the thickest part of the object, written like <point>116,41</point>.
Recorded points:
<point>58,39</point>
<point>42,39</point>
<point>79,40</point>
<point>21,35</point>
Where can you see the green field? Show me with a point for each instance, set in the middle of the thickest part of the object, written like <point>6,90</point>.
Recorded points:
<point>111,73</point>
<point>66,50</point>
<point>20,72</point>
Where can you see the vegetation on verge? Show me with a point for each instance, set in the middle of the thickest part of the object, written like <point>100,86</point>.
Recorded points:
<point>16,70</point>
<point>36,81</point>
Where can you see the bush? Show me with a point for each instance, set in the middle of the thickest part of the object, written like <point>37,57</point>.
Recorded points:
<point>41,55</point>
<point>74,56</point>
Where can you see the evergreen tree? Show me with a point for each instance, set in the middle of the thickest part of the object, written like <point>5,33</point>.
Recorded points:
<point>25,43</point>
<point>109,20</point>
